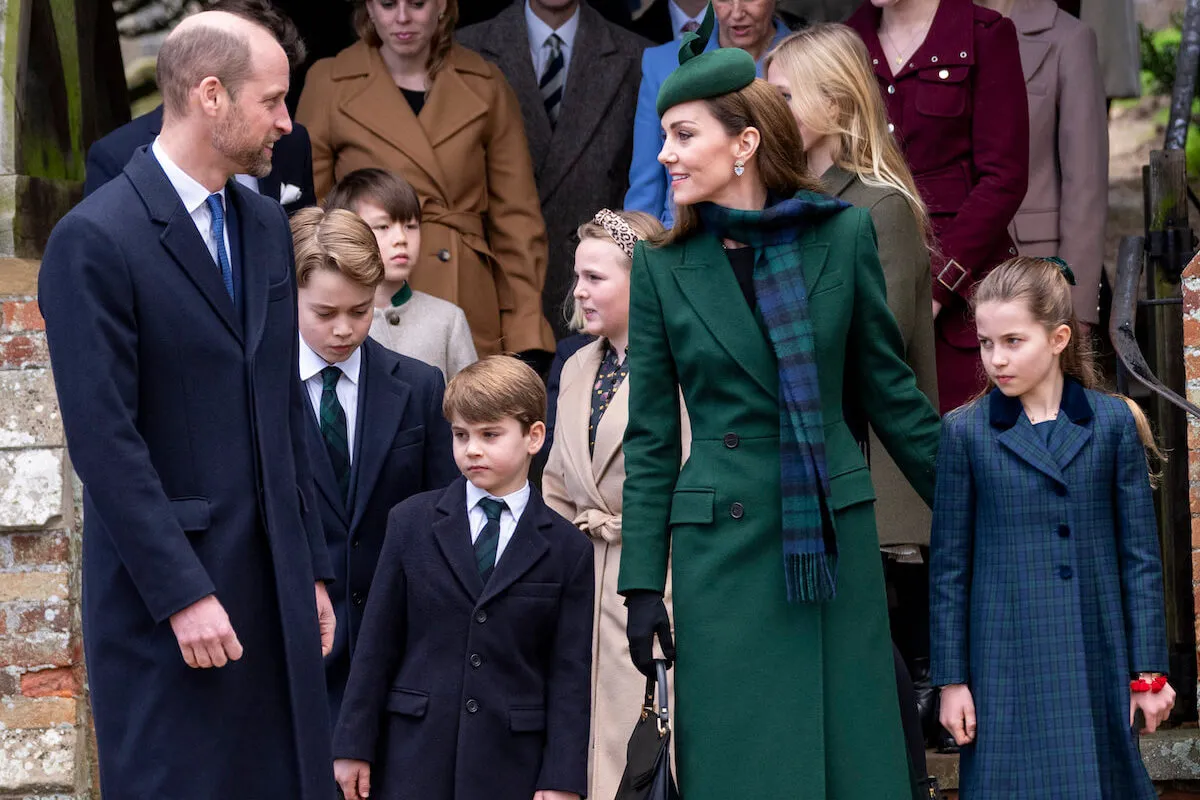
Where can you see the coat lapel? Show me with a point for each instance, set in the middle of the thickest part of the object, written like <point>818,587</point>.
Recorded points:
<point>180,236</point>
<point>381,108</point>
<point>508,44</point>
<point>526,548</point>
<point>715,297</point>
<point>611,432</point>
<point>382,399</point>
<point>1018,435</point>
<point>1074,423</point>
<point>256,255</point>
<point>593,78</point>
<point>453,535</point>
<point>451,104</point>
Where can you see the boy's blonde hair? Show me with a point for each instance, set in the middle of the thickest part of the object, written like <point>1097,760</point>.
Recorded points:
<point>335,241</point>
<point>495,388</point>
<point>644,227</point>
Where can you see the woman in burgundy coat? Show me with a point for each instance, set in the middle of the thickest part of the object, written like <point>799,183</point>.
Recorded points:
<point>950,72</point>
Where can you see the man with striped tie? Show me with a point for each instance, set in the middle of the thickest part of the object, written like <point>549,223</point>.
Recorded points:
<point>576,77</point>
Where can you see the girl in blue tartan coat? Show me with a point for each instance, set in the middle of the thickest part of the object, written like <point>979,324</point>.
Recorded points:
<point>1046,584</point>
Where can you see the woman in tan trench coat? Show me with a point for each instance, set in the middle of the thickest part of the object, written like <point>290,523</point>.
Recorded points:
<point>585,474</point>
<point>407,99</point>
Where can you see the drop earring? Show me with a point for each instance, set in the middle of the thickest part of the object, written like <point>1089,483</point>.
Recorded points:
<point>739,167</point>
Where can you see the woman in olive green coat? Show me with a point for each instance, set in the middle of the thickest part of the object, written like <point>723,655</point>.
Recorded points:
<point>784,676</point>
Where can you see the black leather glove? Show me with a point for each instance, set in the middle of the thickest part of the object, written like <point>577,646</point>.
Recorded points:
<point>647,617</point>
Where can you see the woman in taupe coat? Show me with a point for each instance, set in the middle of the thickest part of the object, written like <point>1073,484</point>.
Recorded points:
<point>826,77</point>
<point>585,475</point>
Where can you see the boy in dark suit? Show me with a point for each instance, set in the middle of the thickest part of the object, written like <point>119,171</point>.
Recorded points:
<point>377,435</point>
<point>471,676</point>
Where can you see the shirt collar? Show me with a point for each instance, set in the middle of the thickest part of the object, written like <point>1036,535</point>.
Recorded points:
<point>516,501</point>
<point>679,18</point>
<point>190,191</point>
<point>311,364</point>
<point>539,31</point>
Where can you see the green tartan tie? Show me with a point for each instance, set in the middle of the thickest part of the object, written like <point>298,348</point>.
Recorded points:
<point>333,429</point>
<point>489,538</point>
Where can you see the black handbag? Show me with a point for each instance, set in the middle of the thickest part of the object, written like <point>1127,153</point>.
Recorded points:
<point>648,756</point>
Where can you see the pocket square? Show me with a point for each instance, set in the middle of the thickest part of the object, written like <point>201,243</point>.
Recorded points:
<point>289,193</point>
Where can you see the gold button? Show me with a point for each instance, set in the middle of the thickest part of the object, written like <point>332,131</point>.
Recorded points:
<point>943,74</point>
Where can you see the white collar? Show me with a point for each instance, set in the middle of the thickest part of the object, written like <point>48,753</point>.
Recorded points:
<point>516,501</point>
<point>539,31</point>
<point>311,364</point>
<point>679,18</point>
<point>190,191</point>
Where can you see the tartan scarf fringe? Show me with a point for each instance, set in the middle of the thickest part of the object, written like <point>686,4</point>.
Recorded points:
<point>809,543</point>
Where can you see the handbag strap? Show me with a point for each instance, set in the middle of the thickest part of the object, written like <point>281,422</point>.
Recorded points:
<point>661,710</point>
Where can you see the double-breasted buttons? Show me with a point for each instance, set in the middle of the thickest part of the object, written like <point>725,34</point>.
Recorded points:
<point>1065,572</point>
<point>875,62</point>
<point>732,440</point>
<point>476,660</point>
<point>472,706</point>
<point>963,54</point>
<point>443,254</point>
<point>737,511</point>
<point>357,598</point>
<point>933,60</point>
<point>943,74</point>
<point>481,616</point>
<point>891,90</point>
<point>891,128</point>
<point>1064,531</point>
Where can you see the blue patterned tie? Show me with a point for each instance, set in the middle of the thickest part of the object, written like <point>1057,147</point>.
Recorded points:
<point>218,233</point>
<point>488,542</point>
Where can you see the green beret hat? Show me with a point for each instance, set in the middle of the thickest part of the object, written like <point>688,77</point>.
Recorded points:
<point>703,75</point>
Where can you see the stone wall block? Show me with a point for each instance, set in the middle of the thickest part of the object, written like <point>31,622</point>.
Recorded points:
<point>37,762</point>
<point>24,350</point>
<point>31,487</point>
<point>29,415</point>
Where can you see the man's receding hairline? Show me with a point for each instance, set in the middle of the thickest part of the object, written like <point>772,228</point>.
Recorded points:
<point>224,22</point>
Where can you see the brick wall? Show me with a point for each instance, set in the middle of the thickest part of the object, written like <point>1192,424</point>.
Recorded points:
<point>45,738</point>
<point>1191,359</point>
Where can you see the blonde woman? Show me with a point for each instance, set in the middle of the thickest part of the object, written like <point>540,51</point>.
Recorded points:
<point>825,76</point>
<point>585,475</point>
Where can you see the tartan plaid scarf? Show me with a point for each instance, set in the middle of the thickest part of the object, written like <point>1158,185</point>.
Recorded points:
<point>809,545</point>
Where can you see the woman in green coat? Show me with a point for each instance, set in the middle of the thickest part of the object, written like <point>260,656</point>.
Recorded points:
<point>766,306</point>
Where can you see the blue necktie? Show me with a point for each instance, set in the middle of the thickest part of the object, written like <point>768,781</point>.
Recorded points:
<point>218,233</point>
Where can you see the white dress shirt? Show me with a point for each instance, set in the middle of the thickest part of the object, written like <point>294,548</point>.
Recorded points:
<point>539,33</point>
<point>679,18</point>
<point>311,365</point>
<point>514,507</point>
<point>194,197</point>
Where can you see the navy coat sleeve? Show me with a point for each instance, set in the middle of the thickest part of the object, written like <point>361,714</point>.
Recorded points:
<point>87,299</point>
<point>380,645</point>
<point>950,554</point>
<point>440,469</point>
<point>569,687</point>
<point>1137,547</point>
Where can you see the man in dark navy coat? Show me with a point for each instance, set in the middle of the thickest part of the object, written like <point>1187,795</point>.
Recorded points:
<point>290,180</point>
<point>170,308</point>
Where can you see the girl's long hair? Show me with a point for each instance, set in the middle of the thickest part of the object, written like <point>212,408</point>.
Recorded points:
<point>835,92</point>
<point>1039,285</point>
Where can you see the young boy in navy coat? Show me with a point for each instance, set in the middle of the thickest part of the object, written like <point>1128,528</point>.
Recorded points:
<point>377,435</point>
<point>472,672</point>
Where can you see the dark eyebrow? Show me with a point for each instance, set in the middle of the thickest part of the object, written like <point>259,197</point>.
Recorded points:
<point>675,125</point>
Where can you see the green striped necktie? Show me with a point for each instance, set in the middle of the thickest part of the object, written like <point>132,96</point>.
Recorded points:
<point>488,541</point>
<point>333,429</point>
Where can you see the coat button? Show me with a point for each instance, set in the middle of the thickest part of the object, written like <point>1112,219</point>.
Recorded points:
<point>737,510</point>
<point>443,255</point>
<point>963,54</point>
<point>357,598</point>
<point>1060,490</point>
<point>355,542</point>
<point>476,660</point>
<point>731,440</point>
<point>933,60</point>
<point>891,128</point>
<point>1065,573</point>
<point>481,616</point>
<point>891,90</point>
<point>875,61</point>
<point>472,706</point>
<point>1064,531</point>
<point>944,73</point>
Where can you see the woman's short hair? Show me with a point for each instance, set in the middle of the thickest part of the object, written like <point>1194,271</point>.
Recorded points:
<point>335,241</point>
<point>644,225</point>
<point>387,190</point>
<point>439,48</point>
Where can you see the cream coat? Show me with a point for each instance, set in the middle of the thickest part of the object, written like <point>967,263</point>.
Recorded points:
<point>483,241</point>
<point>587,490</point>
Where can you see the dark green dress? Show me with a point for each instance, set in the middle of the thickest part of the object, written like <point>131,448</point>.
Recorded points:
<point>775,700</point>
